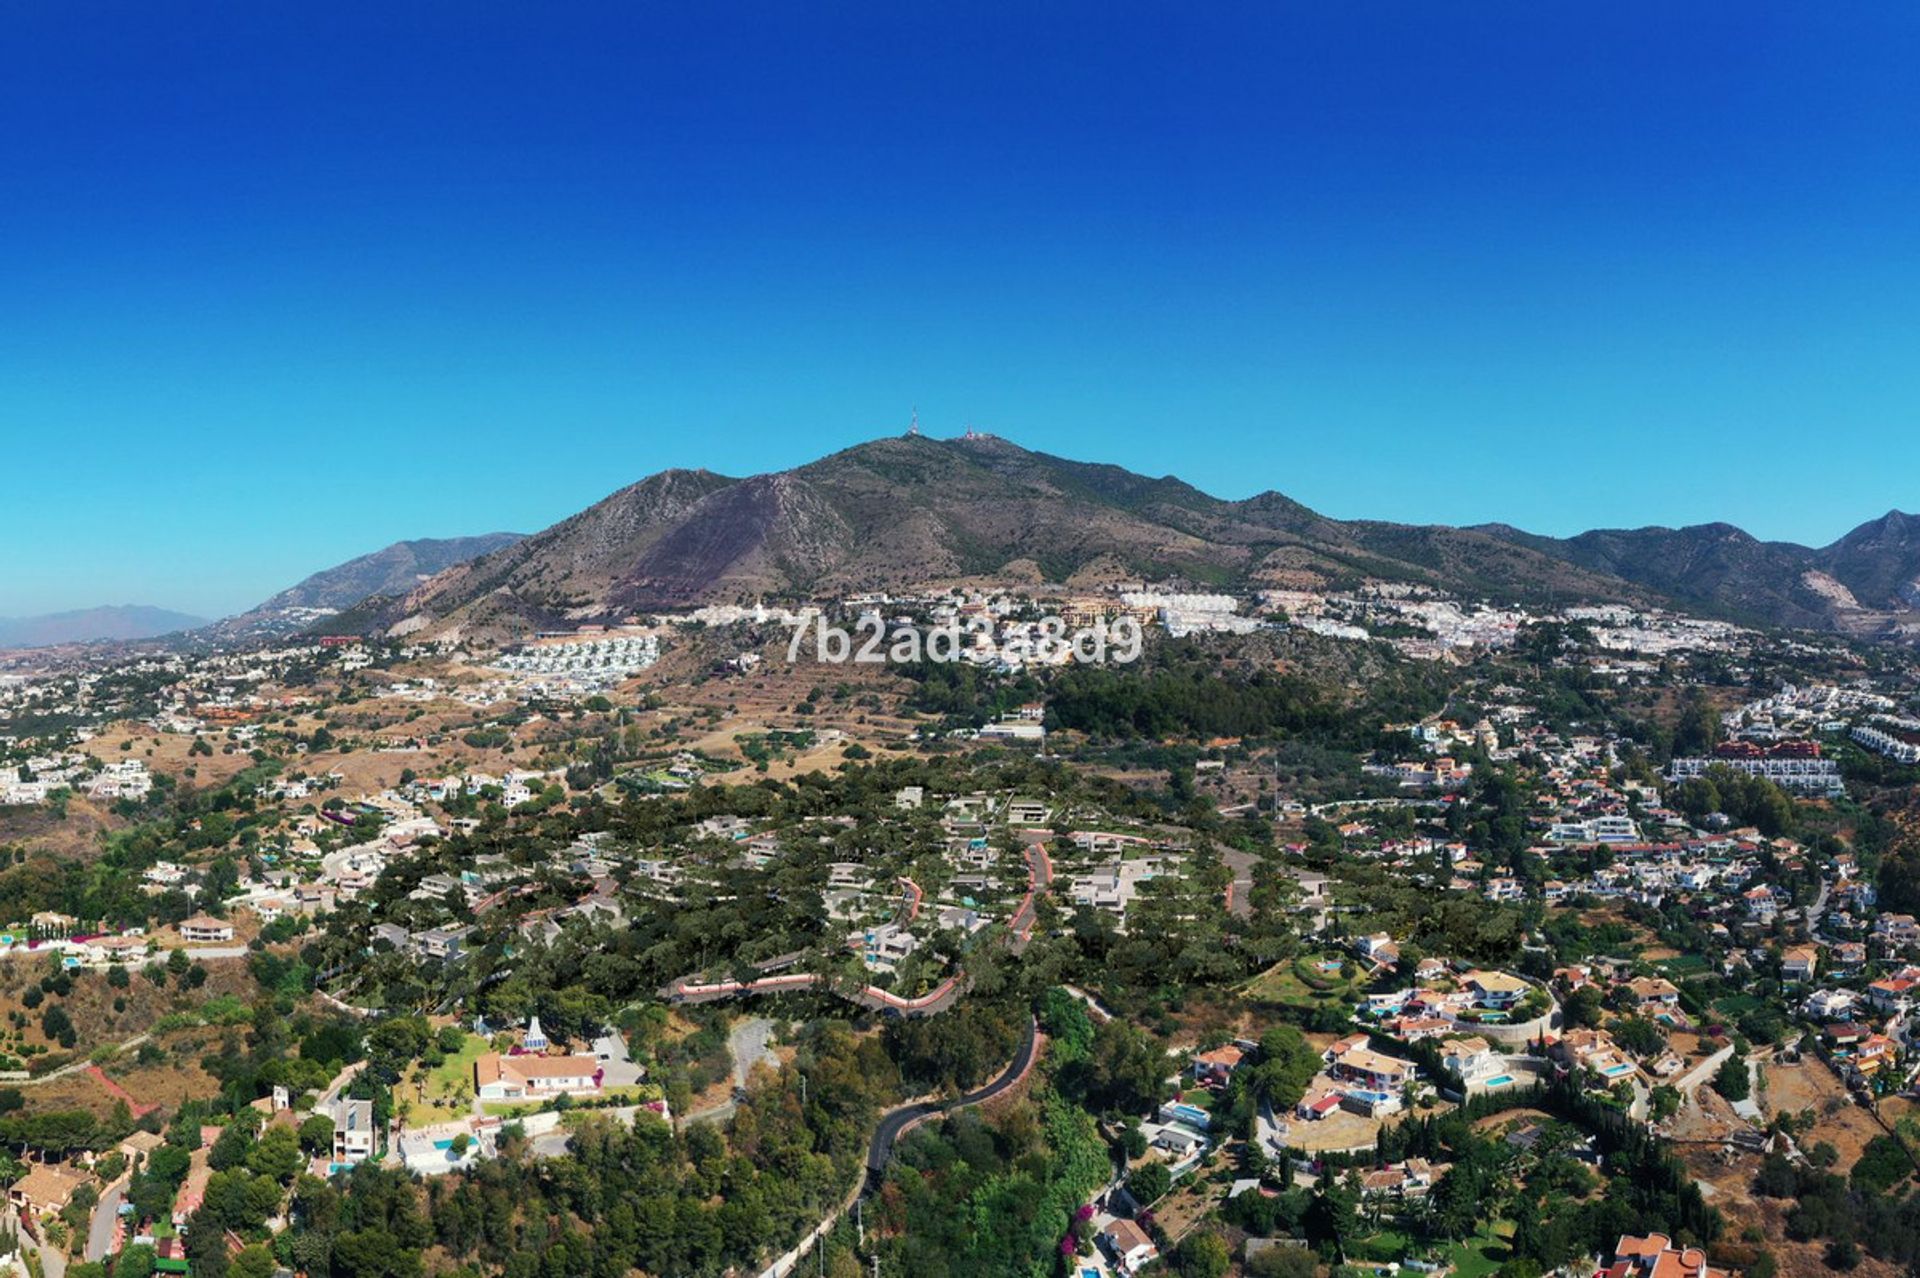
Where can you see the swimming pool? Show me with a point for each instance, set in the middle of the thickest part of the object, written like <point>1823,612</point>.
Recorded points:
<point>1500,1080</point>
<point>1615,1071</point>
<point>1190,1114</point>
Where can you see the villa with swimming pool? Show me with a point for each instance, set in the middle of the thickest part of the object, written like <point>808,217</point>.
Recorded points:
<point>1470,1059</point>
<point>1595,1050</point>
<point>1494,991</point>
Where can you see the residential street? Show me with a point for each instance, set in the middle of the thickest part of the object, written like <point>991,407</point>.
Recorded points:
<point>106,1215</point>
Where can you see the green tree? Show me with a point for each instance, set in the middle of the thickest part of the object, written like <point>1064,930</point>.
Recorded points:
<point>1282,1262</point>
<point>1149,1183</point>
<point>252,1262</point>
<point>230,1149</point>
<point>1732,1080</point>
<point>1287,1065</point>
<point>1203,1255</point>
<point>135,1261</point>
<point>276,1155</point>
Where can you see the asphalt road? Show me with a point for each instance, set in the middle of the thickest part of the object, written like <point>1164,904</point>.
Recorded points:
<point>896,1121</point>
<point>105,1216</point>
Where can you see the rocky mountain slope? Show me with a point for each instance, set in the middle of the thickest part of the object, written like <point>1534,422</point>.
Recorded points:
<point>1865,581</point>
<point>909,511</point>
<point>912,511</point>
<point>391,571</point>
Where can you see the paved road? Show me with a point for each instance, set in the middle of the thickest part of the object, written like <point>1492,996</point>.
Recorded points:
<point>1690,1082</point>
<point>717,1114</point>
<point>897,1121</point>
<point>1819,906</point>
<point>1240,892</point>
<point>105,1216</point>
<point>1100,1010</point>
<point>1039,879</point>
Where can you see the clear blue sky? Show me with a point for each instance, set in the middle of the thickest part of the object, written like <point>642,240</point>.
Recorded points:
<point>282,283</point>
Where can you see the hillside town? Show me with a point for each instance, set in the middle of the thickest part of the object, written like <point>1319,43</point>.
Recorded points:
<point>1523,906</point>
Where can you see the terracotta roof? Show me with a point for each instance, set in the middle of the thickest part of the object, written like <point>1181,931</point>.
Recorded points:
<point>1635,1245</point>
<point>49,1184</point>
<point>1229,1056</point>
<point>491,1067</point>
<point>1126,1236</point>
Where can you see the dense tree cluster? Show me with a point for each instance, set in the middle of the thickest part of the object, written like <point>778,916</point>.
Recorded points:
<point>1875,1208</point>
<point>990,1199</point>
<point>1187,701</point>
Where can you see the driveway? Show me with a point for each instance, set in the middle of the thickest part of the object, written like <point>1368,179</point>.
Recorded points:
<point>52,1263</point>
<point>615,1061</point>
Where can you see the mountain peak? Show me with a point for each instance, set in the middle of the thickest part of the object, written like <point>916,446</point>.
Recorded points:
<point>906,511</point>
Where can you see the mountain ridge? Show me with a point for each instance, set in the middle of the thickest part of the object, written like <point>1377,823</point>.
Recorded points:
<point>911,510</point>
<point>907,511</point>
<point>392,570</point>
<point>1863,576</point>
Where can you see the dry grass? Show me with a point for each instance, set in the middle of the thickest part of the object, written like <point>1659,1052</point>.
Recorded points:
<point>102,1015</point>
<point>1838,1121</point>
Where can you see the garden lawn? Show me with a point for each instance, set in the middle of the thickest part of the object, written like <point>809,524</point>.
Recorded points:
<point>1480,1255</point>
<point>1281,983</point>
<point>439,1098</point>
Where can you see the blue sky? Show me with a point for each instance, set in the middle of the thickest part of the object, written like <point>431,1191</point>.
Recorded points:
<point>285,283</point>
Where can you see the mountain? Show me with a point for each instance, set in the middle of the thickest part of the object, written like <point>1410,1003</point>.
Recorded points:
<point>87,625</point>
<point>909,511</point>
<point>912,511</point>
<point>1712,568</point>
<point>1879,562</point>
<point>1860,583</point>
<point>394,570</point>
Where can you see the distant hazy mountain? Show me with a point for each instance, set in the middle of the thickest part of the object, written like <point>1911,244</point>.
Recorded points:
<point>395,570</point>
<point>119,621</point>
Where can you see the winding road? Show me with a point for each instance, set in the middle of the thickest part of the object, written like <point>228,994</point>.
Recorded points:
<point>690,989</point>
<point>895,1123</point>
